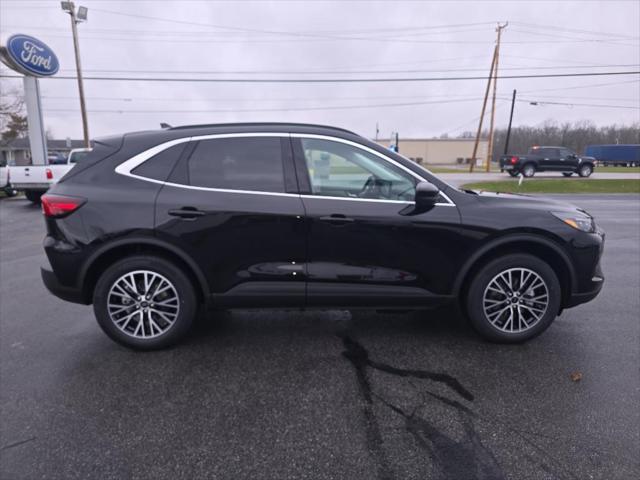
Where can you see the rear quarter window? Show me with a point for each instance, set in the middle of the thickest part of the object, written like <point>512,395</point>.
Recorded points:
<point>160,165</point>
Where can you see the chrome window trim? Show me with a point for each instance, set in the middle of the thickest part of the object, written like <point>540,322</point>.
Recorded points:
<point>127,166</point>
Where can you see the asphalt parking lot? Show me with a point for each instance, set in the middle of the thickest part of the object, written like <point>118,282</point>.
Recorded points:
<point>342,395</point>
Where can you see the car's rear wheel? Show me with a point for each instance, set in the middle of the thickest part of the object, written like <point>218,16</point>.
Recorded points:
<point>585,170</point>
<point>513,298</point>
<point>529,170</point>
<point>33,196</point>
<point>567,174</point>
<point>144,302</point>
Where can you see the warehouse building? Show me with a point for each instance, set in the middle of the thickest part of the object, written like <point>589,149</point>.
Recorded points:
<point>439,151</point>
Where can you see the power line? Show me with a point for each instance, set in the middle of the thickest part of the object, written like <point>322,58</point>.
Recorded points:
<point>575,87</point>
<point>544,102</point>
<point>278,109</point>
<point>332,80</point>
<point>575,30</point>
<point>274,72</point>
<point>612,40</point>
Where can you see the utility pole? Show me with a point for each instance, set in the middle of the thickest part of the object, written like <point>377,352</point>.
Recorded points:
<point>506,142</point>
<point>493,102</point>
<point>484,106</point>
<point>81,16</point>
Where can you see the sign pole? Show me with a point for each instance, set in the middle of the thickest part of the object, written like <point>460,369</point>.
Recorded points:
<point>37,137</point>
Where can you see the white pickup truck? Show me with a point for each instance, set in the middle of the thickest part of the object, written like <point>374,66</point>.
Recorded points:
<point>35,180</point>
<point>5,186</point>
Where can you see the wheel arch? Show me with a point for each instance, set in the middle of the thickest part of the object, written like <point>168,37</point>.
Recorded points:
<point>544,248</point>
<point>108,254</point>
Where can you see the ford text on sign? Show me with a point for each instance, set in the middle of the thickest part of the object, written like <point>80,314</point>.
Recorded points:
<point>31,56</point>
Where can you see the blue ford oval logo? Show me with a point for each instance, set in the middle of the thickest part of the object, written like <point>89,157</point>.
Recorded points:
<point>31,56</point>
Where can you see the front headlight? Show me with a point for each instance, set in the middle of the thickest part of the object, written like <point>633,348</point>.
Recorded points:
<point>577,220</point>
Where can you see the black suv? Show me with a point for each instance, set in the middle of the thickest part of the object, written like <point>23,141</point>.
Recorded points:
<point>547,159</point>
<point>152,225</point>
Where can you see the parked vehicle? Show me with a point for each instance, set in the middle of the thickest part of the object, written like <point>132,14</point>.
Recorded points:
<point>5,180</point>
<point>615,155</point>
<point>547,159</point>
<point>36,179</point>
<point>151,225</point>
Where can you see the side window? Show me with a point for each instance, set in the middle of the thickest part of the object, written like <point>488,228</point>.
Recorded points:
<point>552,153</point>
<point>159,166</point>
<point>565,152</point>
<point>242,163</point>
<point>340,170</point>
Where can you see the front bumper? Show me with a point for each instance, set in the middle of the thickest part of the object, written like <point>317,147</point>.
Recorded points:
<point>592,289</point>
<point>70,294</point>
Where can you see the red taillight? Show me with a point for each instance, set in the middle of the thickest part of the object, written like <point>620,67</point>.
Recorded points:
<point>60,205</point>
<point>49,174</point>
<point>514,160</point>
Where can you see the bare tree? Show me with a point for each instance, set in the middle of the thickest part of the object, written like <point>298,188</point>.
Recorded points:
<point>13,118</point>
<point>576,136</point>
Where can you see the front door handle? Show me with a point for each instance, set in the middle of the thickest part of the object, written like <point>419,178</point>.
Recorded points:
<point>337,219</point>
<point>186,213</point>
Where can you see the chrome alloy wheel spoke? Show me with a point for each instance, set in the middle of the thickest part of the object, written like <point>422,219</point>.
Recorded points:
<point>515,300</point>
<point>143,304</point>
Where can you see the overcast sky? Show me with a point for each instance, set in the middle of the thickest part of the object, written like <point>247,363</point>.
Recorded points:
<point>334,40</point>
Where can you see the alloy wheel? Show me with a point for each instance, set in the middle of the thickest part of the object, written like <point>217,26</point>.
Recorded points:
<point>515,300</point>
<point>143,304</point>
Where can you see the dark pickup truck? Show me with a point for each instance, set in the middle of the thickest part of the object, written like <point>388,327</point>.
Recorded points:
<point>547,159</point>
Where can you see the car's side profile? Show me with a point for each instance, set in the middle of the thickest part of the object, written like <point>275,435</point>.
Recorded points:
<point>547,159</point>
<point>151,225</point>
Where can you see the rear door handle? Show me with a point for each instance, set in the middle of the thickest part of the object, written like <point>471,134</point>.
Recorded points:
<point>186,212</point>
<point>337,219</point>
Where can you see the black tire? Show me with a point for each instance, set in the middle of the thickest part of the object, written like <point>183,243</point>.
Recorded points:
<point>529,170</point>
<point>481,280</point>
<point>585,170</point>
<point>33,196</point>
<point>10,192</point>
<point>567,174</point>
<point>186,299</point>
<point>512,173</point>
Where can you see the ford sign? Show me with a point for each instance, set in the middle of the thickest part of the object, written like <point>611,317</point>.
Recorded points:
<point>30,56</point>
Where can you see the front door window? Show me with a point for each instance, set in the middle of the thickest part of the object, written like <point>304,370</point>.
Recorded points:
<point>341,170</point>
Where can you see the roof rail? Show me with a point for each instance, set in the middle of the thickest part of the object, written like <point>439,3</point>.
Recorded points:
<point>260,124</point>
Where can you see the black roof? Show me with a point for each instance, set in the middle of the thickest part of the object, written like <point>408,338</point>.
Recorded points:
<point>164,134</point>
<point>270,125</point>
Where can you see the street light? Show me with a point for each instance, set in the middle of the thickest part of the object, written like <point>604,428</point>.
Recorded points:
<point>80,16</point>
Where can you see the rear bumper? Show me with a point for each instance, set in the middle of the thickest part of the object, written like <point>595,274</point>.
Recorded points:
<point>31,186</point>
<point>70,294</point>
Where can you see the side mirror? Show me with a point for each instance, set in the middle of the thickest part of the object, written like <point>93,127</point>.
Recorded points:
<point>426,195</point>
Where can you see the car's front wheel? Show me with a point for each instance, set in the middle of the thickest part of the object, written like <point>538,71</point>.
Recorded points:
<point>585,170</point>
<point>144,302</point>
<point>513,298</point>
